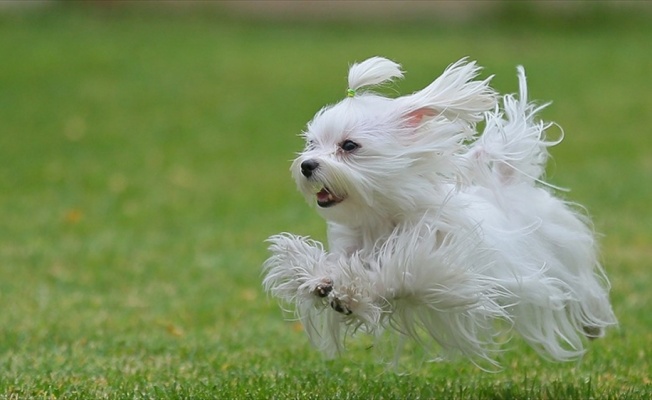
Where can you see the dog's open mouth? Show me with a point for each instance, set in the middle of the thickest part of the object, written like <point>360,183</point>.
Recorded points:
<point>327,199</point>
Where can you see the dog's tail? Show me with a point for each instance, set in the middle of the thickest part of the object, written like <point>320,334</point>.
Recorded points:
<point>513,147</point>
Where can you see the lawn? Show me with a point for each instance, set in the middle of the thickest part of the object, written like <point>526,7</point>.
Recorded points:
<point>144,160</point>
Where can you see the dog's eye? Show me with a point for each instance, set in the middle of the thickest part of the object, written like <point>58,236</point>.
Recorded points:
<point>349,145</point>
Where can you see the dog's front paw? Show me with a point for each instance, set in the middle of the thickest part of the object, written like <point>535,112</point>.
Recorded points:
<point>323,288</point>
<point>294,268</point>
<point>295,252</point>
<point>340,306</point>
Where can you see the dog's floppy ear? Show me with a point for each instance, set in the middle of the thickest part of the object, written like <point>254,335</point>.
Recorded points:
<point>416,117</point>
<point>455,95</point>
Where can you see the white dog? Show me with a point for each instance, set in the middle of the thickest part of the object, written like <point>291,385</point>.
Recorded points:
<point>437,232</point>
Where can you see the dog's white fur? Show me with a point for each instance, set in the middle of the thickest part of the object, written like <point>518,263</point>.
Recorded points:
<point>434,231</point>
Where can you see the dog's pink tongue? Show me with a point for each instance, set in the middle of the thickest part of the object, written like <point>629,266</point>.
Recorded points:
<point>323,196</point>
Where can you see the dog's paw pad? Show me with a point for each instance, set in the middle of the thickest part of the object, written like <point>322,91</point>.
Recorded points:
<point>338,306</point>
<point>324,288</point>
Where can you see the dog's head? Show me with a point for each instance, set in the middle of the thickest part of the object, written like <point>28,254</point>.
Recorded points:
<point>370,154</point>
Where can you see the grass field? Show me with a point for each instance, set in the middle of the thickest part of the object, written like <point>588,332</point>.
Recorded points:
<point>144,161</point>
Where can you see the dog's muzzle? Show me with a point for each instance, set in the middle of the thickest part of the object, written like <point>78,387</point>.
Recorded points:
<point>325,198</point>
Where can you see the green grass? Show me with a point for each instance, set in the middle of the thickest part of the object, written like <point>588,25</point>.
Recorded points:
<point>144,160</point>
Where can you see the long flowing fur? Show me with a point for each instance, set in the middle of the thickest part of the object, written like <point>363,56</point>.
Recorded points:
<point>436,232</point>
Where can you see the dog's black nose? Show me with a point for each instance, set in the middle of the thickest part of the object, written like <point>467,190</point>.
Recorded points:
<point>308,166</point>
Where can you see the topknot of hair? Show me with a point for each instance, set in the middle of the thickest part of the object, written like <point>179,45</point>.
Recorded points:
<point>372,72</point>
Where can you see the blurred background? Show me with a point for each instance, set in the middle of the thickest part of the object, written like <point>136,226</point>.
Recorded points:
<point>145,147</point>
